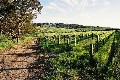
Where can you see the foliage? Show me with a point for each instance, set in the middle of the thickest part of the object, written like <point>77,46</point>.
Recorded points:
<point>75,63</point>
<point>16,16</point>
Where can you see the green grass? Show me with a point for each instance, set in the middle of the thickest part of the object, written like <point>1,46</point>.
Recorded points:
<point>72,61</point>
<point>5,43</point>
<point>75,62</point>
<point>103,53</point>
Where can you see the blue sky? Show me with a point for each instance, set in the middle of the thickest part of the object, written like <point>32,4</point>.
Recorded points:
<point>105,13</point>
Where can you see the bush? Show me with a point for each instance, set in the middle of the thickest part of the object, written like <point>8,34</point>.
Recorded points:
<point>2,38</point>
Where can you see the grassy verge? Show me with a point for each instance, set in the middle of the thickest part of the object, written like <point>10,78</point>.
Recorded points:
<point>103,53</point>
<point>6,43</point>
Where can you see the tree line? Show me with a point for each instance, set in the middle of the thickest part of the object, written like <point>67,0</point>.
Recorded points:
<point>16,16</point>
<point>78,27</point>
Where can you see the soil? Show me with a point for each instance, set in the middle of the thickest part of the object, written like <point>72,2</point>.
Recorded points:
<point>23,62</point>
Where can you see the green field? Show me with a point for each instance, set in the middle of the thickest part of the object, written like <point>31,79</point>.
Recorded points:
<point>59,40</point>
<point>76,58</point>
<point>90,55</point>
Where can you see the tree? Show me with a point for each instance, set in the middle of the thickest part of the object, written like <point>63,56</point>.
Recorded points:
<point>16,16</point>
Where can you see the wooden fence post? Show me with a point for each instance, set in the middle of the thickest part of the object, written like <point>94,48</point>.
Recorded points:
<point>75,40</point>
<point>58,39</point>
<point>54,38</point>
<point>103,41</point>
<point>79,37</point>
<point>86,35</point>
<point>91,54</point>
<point>97,47</point>
<point>68,39</point>
<point>91,50</point>
<point>64,38</point>
<point>82,35</point>
<point>92,35</point>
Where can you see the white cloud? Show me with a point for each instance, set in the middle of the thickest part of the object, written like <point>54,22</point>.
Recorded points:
<point>94,2</point>
<point>67,5</point>
<point>77,6</point>
<point>67,2</point>
<point>86,12</point>
<point>84,3</point>
<point>54,6</point>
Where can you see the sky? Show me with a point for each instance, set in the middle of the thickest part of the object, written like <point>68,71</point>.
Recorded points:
<point>104,13</point>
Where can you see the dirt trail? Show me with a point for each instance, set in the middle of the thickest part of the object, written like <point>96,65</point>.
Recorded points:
<point>21,62</point>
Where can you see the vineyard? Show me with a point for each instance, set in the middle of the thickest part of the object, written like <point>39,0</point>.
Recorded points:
<point>71,55</point>
<point>85,55</point>
<point>31,50</point>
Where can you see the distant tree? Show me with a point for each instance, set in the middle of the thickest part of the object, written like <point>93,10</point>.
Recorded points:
<point>16,16</point>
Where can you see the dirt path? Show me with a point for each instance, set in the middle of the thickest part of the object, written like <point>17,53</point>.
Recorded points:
<point>22,62</point>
